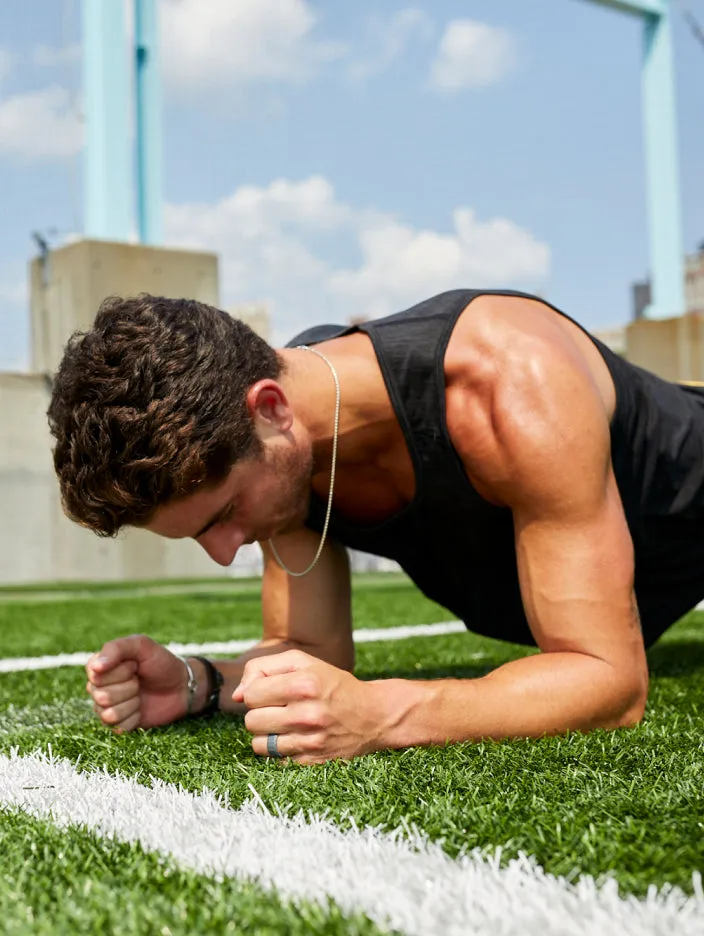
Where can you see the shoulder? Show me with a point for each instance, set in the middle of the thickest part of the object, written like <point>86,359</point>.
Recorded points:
<point>517,384</point>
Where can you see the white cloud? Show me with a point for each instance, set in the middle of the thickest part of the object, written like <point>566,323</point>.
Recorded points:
<point>389,38</point>
<point>7,62</point>
<point>52,56</point>
<point>472,55</point>
<point>269,241</point>
<point>40,124</point>
<point>221,43</point>
<point>13,290</point>
<point>402,264</point>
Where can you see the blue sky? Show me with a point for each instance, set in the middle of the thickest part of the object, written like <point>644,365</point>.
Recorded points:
<point>350,159</point>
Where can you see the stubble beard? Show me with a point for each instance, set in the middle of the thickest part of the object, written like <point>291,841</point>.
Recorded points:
<point>295,469</point>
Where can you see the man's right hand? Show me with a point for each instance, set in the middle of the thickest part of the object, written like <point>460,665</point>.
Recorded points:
<point>137,683</point>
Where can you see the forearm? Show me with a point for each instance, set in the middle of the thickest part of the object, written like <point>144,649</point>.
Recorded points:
<point>231,670</point>
<point>534,696</point>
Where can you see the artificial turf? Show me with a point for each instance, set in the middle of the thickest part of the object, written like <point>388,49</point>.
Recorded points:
<point>625,803</point>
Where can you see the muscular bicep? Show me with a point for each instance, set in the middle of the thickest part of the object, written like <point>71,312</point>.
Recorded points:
<point>312,611</point>
<point>573,546</point>
<point>575,566</point>
<point>544,452</point>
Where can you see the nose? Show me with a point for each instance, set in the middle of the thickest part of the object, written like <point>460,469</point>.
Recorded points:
<point>222,542</point>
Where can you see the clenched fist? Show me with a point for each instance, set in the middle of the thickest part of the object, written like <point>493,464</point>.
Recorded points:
<point>137,683</point>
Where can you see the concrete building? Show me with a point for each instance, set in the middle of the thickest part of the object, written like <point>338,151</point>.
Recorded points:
<point>37,542</point>
<point>254,314</point>
<point>672,347</point>
<point>694,282</point>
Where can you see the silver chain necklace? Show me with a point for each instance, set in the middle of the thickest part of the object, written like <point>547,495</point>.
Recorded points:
<point>336,429</point>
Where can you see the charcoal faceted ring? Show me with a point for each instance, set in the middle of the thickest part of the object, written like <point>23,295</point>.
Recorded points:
<point>272,748</point>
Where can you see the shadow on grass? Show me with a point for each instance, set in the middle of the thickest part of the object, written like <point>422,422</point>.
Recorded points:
<point>676,658</point>
<point>223,597</point>
<point>440,672</point>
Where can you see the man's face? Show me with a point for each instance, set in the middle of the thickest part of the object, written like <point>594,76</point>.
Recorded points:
<point>263,496</point>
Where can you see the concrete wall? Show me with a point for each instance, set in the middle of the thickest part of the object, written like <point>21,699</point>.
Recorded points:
<point>67,287</point>
<point>672,348</point>
<point>37,542</point>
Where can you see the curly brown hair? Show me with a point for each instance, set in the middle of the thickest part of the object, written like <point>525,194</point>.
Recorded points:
<point>149,403</point>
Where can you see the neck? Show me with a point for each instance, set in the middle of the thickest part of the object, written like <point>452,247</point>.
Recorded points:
<point>310,387</point>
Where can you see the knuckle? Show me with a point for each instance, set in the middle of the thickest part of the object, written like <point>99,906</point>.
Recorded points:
<point>312,716</point>
<point>250,722</point>
<point>306,687</point>
<point>315,743</point>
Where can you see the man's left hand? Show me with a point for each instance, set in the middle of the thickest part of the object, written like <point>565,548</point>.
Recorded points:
<point>318,711</point>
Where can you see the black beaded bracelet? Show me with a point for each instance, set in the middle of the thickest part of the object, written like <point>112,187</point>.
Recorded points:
<point>215,681</point>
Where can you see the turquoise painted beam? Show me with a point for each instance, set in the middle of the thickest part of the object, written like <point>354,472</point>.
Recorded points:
<point>149,159</point>
<point>662,169</point>
<point>637,7</point>
<point>107,209</point>
<point>661,159</point>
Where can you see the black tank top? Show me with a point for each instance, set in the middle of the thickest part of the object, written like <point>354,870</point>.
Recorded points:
<point>459,549</point>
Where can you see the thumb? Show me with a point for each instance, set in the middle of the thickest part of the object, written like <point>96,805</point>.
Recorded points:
<point>273,665</point>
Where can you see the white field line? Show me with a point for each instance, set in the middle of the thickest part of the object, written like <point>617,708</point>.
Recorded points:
<point>400,880</point>
<point>49,715</point>
<point>370,635</point>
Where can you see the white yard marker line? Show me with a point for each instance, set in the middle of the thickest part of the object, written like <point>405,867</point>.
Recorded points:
<point>51,715</point>
<point>20,664</point>
<point>400,880</point>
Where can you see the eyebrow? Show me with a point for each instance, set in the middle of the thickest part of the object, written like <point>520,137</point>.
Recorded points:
<point>223,510</point>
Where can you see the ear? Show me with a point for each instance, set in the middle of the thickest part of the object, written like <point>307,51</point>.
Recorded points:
<point>269,407</point>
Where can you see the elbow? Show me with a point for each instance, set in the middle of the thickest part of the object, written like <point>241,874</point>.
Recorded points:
<point>632,717</point>
<point>634,699</point>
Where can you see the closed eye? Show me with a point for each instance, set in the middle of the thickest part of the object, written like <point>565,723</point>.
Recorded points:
<point>225,515</point>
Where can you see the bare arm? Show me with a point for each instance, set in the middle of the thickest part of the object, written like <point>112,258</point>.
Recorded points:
<point>538,441</point>
<point>311,613</point>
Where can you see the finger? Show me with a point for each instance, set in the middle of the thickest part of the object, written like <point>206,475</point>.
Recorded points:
<point>274,665</point>
<point>113,715</point>
<point>107,696</point>
<point>121,673</point>
<point>263,721</point>
<point>129,724</point>
<point>117,651</point>
<point>301,748</point>
<point>280,690</point>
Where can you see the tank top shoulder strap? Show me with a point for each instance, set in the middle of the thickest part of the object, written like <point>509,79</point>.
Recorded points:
<point>410,347</point>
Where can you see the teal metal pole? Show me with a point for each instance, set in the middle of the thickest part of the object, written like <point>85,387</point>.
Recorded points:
<point>108,176</point>
<point>148,119</point>
<point>662,169</point>
<point>637,7</point>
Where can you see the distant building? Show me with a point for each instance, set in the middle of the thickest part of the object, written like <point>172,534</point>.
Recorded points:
<point>693,287</point>
<point>641,294</point>
<point>694,282</point>
<point>614,338</point>
<point>254,314</point>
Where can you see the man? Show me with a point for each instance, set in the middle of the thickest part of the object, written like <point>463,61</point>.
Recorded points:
<point>538,486</point>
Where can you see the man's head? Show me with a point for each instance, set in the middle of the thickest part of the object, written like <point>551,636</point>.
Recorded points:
<point>158,402</point>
